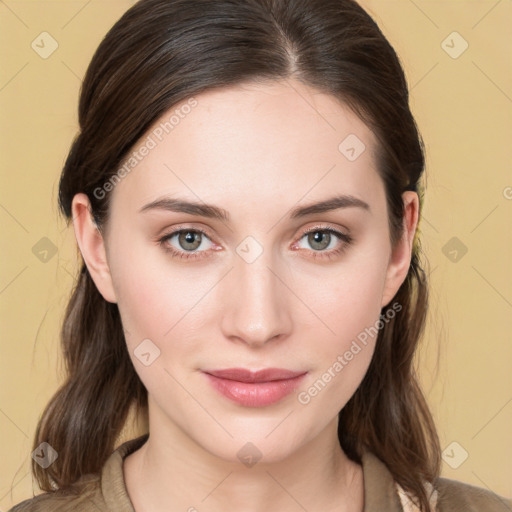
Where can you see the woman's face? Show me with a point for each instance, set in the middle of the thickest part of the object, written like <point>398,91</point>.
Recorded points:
<point>250,288</point>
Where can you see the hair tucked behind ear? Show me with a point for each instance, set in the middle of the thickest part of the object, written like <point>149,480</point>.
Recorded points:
<point>161,53</point>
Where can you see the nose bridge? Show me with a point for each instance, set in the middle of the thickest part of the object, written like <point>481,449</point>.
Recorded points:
<point>257,310</point>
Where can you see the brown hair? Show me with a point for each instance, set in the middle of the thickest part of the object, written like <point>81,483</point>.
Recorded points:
<point>160,53</point>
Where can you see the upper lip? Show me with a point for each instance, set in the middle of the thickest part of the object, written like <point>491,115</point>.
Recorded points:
<point>245,375</point>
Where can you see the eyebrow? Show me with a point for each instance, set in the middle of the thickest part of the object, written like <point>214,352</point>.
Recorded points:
<point>215,212</point>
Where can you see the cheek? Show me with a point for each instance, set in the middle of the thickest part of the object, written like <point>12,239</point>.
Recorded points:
<point>350,306</point>
<point>161,302</point>
<point>329,390</point>
<point>341,358</point>
<point>154,317</point>
<point>149,290</point>
<point>349,297</point>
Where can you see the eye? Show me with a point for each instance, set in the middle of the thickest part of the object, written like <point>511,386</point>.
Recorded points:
<point>187,243</point>
<point>325,242</point>
<point>320,238</point>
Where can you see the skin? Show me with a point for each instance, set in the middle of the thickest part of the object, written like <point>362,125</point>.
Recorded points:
<point>257,151</point>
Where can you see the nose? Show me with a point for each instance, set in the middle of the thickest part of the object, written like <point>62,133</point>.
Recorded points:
<point>256,303</point>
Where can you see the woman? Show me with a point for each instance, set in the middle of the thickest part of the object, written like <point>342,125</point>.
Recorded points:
<point>245,193</point>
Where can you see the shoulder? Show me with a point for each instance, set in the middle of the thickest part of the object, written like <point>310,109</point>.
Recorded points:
<point>455,496</point>
<point>83,496</point>
<point>446,495</point>
<point>101,492</point>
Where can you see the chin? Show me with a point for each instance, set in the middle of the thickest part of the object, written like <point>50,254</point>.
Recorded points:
<point>267,442</point>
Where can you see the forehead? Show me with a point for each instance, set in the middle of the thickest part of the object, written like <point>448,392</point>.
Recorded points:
<point>256,142</point>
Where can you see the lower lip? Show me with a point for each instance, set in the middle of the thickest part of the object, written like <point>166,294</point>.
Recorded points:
<point>255,394</point>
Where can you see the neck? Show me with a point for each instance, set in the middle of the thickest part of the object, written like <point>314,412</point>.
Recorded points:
<point>172,472</point>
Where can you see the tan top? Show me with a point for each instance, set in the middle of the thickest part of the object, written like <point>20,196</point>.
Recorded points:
<point>107,492</point>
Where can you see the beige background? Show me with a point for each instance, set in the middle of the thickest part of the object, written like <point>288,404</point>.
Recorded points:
<point>463,106</point>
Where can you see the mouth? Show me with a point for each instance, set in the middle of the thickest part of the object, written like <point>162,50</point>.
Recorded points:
<point>254,388</point>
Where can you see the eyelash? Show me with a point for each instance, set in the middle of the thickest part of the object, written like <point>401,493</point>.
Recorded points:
<point>333,253</point>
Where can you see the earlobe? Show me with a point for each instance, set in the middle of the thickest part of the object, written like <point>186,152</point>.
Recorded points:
<point>400,259</point>
<point>92,246</point>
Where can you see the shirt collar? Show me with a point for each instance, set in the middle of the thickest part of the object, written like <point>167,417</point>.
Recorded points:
<point>379,486</point>
<point>113,486</point>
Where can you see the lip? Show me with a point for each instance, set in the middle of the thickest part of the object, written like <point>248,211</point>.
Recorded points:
<point>254,388</point>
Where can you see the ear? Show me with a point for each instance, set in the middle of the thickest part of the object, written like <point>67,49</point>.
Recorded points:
<point>400,259</point>
<point>92,246</point>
